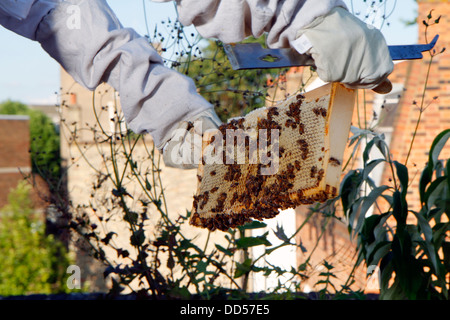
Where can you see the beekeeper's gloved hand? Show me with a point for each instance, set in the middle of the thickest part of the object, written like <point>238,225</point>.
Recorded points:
<point>347,50</point>
<point>184,146</point>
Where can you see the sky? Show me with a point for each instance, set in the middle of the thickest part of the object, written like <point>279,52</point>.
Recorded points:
<point>29,75</point>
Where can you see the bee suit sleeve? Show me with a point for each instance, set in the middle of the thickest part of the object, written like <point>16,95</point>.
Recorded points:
<point>93,47</point>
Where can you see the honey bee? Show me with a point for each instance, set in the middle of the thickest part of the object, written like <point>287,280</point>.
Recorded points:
<point>294,111</point>
<point>313,171</point>
<point>205,198</point>
<point>320,175</point>
<point>291,123</point>
<point>273,111</point>
<point>334,162</point>
<point>320,112</point>
<point>233,172</point>
<point>301,128</point>
<point>213,190</point>
<point>303,148</point>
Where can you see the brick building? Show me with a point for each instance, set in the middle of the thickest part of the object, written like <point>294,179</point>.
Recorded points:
<point>15,161</point>
<point>410,77</point>
<point>396,114</point>
<point>14,155</point>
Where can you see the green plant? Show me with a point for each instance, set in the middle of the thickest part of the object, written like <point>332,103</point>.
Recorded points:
<point>169,264</point>
<point>327,276</point>
<point>413,257</point>
<point>233,93</point>
<point>409,246</point>
<point>31,261</point>
<point>162,260</point>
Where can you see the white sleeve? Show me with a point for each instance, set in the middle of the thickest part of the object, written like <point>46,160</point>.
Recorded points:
<point>23,16</point>
<point>234,20</point>
<point>18,9</point>
<point>97,49</point>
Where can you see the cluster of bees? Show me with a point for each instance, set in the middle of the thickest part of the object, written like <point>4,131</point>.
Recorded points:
<point>253,196</point>
<point>319,111</point>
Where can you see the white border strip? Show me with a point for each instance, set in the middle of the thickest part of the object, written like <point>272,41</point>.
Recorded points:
<point>15,170</point>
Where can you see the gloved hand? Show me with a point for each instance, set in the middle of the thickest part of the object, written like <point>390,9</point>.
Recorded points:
<point>184,147</point>
<point>347,50</point>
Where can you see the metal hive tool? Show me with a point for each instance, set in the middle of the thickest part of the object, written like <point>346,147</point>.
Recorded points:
<point>254,56</point>
<point>312,134</point>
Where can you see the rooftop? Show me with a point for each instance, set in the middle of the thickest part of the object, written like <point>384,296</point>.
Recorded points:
<point>14,117</point>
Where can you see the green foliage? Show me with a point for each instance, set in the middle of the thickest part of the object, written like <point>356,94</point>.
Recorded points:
<point>413,257</point>
<point>44,144</point>
<point>326,281</point>
<point>31,261</point>
<point>233,93</point>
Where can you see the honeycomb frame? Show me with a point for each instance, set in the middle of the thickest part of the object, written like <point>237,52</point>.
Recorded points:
<point>303,165</point>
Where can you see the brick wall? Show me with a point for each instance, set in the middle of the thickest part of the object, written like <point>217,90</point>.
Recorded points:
<point>436,116</point>
<point>14,145</point>
<point>436,100</point>
<point>15,162</point>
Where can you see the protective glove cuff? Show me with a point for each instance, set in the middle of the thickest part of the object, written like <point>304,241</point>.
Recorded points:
<point>183,148</point>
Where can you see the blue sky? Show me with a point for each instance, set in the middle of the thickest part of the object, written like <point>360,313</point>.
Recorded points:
<point>29,75</point>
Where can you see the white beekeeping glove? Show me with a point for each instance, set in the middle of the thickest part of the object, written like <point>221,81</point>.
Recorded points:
<point>347,50</point>
<point>184,146</point>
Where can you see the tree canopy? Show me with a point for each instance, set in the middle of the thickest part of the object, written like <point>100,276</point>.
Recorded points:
<point>234,93</point>
<point>31,261</point>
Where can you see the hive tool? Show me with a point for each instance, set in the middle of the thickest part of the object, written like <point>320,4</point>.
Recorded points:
<point>254,56</point>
